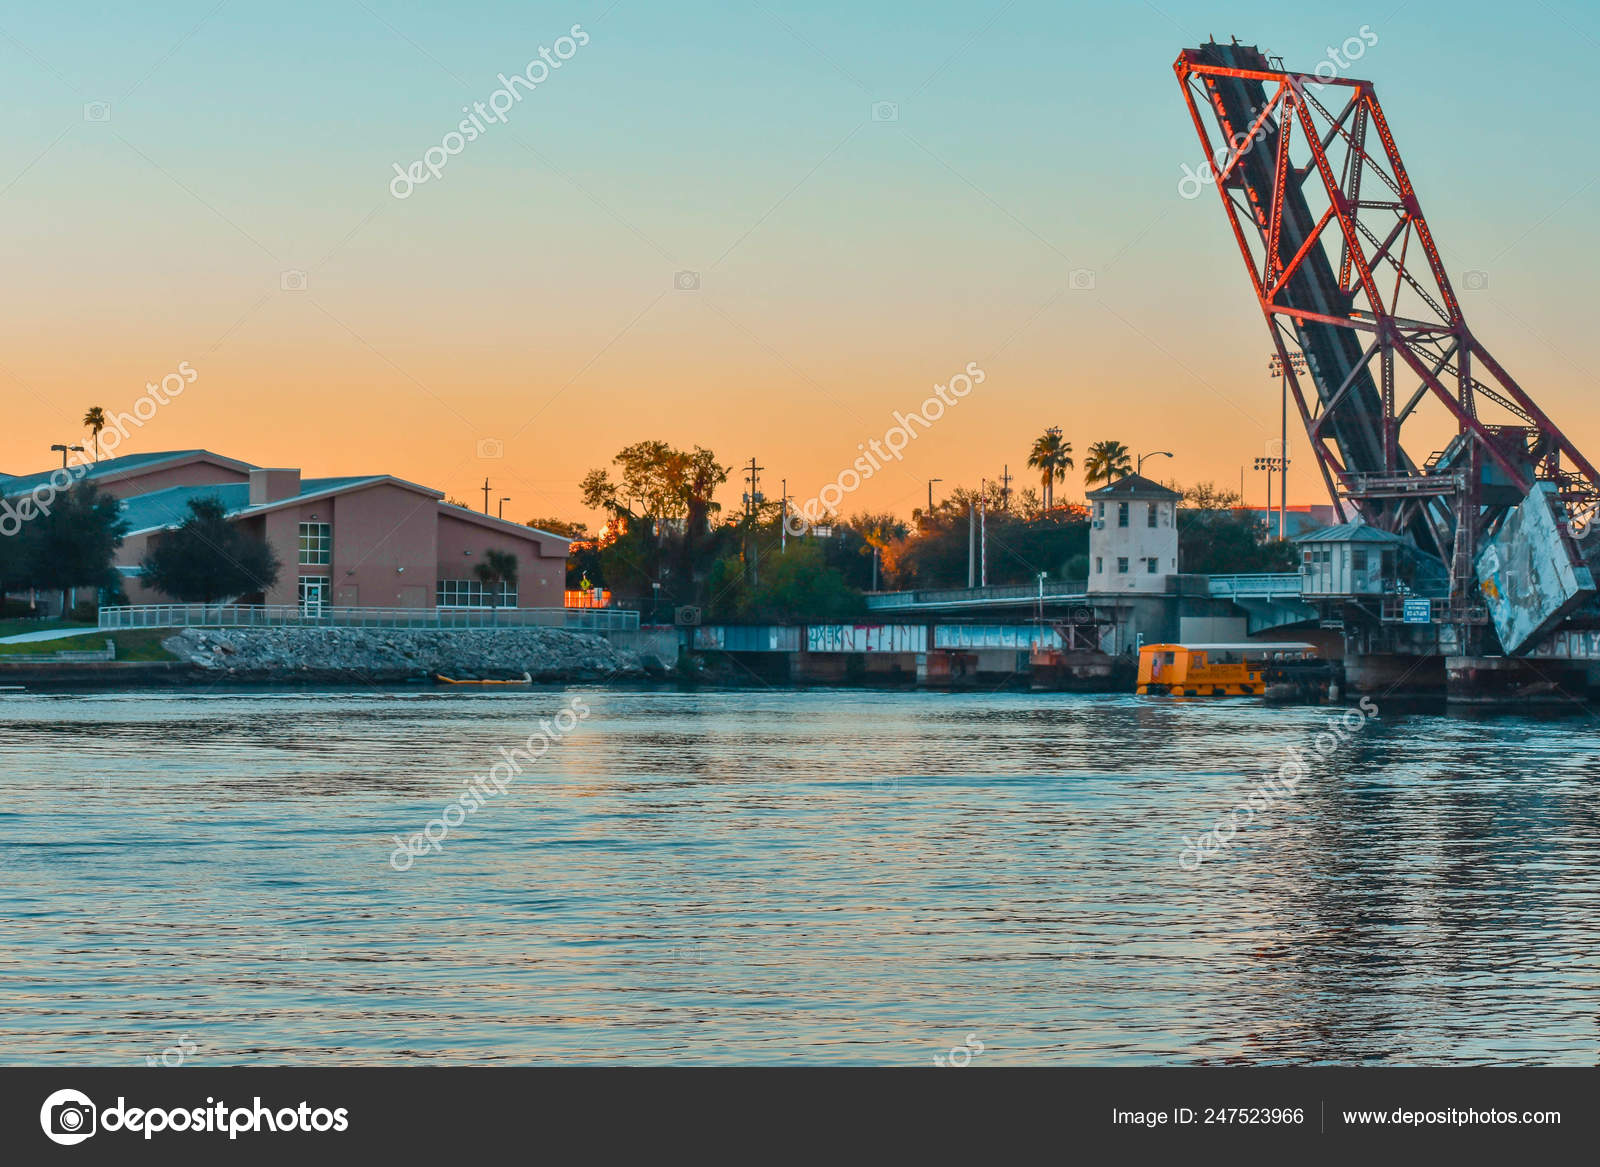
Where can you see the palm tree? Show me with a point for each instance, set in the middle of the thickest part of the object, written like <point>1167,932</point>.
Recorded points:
<point>1052,457</point>
<point>498,569</point>
<point>95,419</point>
<point>1107,460</point>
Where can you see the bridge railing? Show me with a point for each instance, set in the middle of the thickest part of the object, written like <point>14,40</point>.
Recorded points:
<point>1258,584</point>
<point>999,593</point>
<point>328,616</point>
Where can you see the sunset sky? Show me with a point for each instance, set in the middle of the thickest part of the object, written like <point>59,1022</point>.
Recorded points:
<point>527,295</point>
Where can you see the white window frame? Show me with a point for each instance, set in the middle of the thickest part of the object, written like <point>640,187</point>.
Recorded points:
<point>324,592</point>
<point>316,539</point>
<point>470,593</point>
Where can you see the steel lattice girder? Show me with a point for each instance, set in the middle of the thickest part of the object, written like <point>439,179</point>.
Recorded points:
<point>1402,301</point>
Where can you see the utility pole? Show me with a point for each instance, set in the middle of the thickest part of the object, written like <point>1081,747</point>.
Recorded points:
<point>983,533</point>
<point>1283,474</point>
<point>1283,452</point>
<point>486,494</point>
<point>1275,366</point>
<point>752,508</point>
<point>1005,488</point>
<point>783,523</point>
<point>972,546</point>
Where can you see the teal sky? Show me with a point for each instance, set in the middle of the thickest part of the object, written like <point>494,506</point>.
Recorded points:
<point>846,263</point>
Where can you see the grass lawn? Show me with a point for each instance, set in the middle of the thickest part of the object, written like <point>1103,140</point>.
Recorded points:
<point>18,627</point>
<point>139,644</point>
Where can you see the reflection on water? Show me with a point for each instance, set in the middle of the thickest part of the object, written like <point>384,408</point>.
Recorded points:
<point>786,876</point>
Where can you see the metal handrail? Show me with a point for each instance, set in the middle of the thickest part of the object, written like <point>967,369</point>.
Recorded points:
<point>1053,589</point>
<point>1261,583</point>
<point>329,616</point>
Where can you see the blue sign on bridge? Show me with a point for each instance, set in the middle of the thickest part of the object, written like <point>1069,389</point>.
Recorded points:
<point>1418,612</point>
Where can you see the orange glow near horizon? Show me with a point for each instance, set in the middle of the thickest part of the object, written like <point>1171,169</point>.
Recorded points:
<point>845,264</point>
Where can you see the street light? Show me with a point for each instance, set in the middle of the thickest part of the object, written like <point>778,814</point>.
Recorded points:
<point>501,509</point>
<point>1270,464</point>
<point>1151,454</point>
<point>931,481</point>
<point>1297,364</point>
<point>64,449</point>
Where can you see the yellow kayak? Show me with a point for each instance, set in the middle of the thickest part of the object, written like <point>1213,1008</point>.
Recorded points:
<point>527,679</point>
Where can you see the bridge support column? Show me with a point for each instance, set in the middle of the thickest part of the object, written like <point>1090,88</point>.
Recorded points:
<point>1397,674</point>
<point>1489,680</point>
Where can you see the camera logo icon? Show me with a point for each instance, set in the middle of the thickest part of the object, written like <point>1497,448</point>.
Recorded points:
<point>68,1117</point>
<point>687,281</point>
<point>97,111</point>
<point>1081,279</point>
<point>885,111</point>
<point>491,448</point>
<point>293,280</point>
<point>1475,281</point>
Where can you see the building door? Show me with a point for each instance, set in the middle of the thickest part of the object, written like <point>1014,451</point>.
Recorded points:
<point>314,594</point>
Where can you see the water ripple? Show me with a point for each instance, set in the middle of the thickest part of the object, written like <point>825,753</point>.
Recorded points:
<point>790,877</point>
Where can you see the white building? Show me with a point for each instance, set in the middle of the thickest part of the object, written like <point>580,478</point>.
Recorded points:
<point>1133,536</point>
<point>1350,559</point>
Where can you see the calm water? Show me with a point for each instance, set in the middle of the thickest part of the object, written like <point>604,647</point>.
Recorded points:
<point>789,877</point>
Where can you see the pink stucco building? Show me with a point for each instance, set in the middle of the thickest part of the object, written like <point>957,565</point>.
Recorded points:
<point>362,541</point>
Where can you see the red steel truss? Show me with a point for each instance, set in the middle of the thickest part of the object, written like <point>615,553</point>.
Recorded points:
<point>1346,271</point>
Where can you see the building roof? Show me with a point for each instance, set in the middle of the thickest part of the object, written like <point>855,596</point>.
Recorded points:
<point>107,467</point>
<point>167,508</point>
<point>161,509</point>
<point>1356,532</point>
<point>1134,486</point>
<point>467,514</point>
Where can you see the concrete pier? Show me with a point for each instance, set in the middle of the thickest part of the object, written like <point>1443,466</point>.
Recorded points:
<point>1398,674</point>
<point>1496,680</point>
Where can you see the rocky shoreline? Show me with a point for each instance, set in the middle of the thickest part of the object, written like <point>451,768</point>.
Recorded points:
<point>402,654</point>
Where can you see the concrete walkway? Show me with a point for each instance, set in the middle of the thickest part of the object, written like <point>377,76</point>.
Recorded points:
<point>52,634</point>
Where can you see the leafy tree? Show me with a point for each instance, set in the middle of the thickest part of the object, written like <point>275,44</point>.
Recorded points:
<point>206,558</point>
<point>1215,537</point>
<point>1052,457</point>
<point>71,544</point>
<point>1208,496</point>
<point>878,534</point>
<point>1020,547</point>
<point>795,586</point>
<point>497,570</point>
<point>657,481</point>
<point>1108,461</point>
<point>565,527</point>
<point>95,419</point>
<point>664,499</point>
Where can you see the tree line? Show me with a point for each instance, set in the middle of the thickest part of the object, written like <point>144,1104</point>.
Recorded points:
<point>666,542</point>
